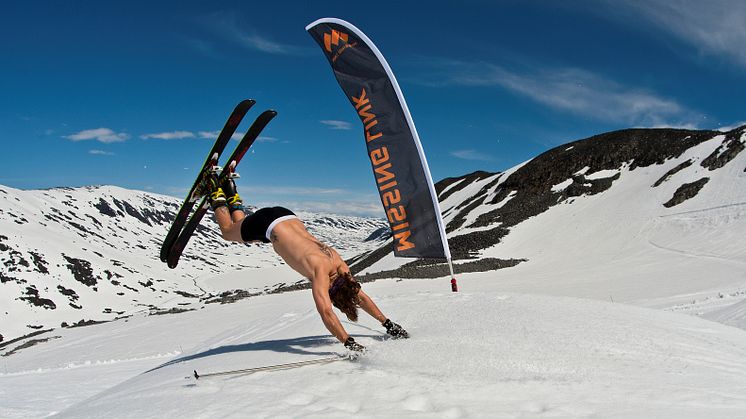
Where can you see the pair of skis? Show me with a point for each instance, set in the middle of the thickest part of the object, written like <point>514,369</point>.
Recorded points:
<point>183,226</point>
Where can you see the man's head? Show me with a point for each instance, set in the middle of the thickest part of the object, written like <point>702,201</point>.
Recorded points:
<point>343,293</point>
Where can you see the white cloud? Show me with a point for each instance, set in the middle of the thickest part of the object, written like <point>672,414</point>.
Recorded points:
<point>260,43</point>
<point>572,90</point>
<point>173,135</point>
<point>100,152</point>
<point>732,126</point>
<point>471,155</point>
<point>370,208</point>
<point>714,27</point>
<point>293,190</point>
<point>229,25</point>
<point>212,135</point>
<point>334,124</point>
<point>104,135</point>
<point>264,139</point>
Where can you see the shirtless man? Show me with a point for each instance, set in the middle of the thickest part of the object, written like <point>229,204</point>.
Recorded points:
<point>331,280</point>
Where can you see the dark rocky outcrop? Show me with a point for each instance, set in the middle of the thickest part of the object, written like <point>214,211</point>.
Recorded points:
<point>382,233</point>
<point>672,172</point>
<point>104,208</point>
<point>82,271</point>
<point>33,298</point>
<point>686,191</point>
<point>230,297</point>
<point>428,268</point>
<point>28,344</point>
<point>726,152</point>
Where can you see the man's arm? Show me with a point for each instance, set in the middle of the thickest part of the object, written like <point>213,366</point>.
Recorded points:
<point>370,307</point>
<point>320,289</point>
<point>367,304</point>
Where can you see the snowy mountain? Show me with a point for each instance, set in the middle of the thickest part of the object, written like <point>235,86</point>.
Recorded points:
<point>679,190</point>
<point>72,256</point>
<point>625,297</point>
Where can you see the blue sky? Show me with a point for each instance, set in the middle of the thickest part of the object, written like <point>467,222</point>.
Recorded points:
<point>131,93</point>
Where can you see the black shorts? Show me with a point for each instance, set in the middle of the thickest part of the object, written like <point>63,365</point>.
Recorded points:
<point>259,225</point>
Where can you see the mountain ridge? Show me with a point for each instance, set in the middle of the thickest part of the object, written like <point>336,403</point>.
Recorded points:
<point>481,208</point>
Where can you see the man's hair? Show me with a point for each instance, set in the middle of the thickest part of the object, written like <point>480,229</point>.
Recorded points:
<point>343,294</point>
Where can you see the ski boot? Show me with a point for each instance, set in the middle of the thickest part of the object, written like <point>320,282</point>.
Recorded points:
<point>210,186</point>
<point>228,185</point>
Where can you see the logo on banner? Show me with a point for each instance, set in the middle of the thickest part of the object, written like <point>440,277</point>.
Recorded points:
<point>336,43</point>
<point>334,39</point>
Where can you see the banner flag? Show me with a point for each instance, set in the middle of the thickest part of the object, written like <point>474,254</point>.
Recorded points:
<point>401,173</point>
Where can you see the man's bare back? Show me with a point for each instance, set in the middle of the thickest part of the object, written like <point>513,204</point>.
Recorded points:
<point>303,252</point>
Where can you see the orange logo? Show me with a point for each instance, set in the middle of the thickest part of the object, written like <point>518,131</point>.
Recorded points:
<point>333,39</point>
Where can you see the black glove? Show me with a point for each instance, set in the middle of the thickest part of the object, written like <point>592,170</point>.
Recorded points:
<point>394,330</point>
<point>354,346</point>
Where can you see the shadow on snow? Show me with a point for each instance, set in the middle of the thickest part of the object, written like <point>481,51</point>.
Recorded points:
<point>298,346</point>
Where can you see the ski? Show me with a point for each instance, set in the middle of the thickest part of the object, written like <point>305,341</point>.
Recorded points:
<point>212,157</point>
<point>276,367</point>
<point>180,242</point>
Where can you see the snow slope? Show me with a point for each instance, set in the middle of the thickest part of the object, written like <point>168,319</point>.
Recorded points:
<point>633,249</point>
<point>475,354</point>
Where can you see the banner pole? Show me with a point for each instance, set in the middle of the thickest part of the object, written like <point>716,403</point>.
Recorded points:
<point>454,284</point>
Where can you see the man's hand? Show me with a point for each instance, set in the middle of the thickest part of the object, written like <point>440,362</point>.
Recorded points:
<point>394,330</point>
<point>354,346</point>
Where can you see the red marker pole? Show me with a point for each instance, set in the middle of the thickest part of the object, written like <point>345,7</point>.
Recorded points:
<point>454,284</point>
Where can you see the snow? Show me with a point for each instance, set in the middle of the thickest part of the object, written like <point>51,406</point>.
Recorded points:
<point>474,354</point>
<point>731,314</point>
<point>562,185</point>
<point>601,174</point>
<point>624,245</point>
<point>449,204</point>
<point>624,308</point>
